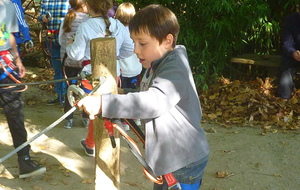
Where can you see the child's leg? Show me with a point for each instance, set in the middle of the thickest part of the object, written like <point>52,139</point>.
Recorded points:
<point>89,141</point>
<point>189,177</point>
<point>69,72</point>
<point>130,82</point>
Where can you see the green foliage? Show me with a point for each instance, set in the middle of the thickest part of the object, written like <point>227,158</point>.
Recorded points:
<point>215,31</point>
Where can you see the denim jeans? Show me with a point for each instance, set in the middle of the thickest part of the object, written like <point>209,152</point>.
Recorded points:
<point>130,82</point>
<point>54,50</point>
<point>189,177</point>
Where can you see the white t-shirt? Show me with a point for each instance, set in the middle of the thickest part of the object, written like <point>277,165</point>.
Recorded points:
<point>130,66</point>
<point>8,23</point>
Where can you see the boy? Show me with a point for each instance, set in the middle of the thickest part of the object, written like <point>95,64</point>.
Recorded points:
<point>290,61</point>
<point>169,106</point>
<point>10,101</point>
<point>52,13</point>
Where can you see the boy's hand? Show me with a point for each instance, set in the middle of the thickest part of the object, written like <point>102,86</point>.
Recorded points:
<point>21,67</point>
<point>45,19</point>
<point>296,55</point>
<point>92,105</point>
<point>28,45</point>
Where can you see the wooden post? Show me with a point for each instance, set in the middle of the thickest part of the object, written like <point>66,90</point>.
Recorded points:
<point>103,61</point>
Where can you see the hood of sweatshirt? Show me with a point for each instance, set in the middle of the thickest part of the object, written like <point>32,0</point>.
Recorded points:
<point>98,25</point>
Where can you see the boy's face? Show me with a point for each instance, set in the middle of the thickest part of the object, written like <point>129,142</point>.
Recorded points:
<point>148,49</point>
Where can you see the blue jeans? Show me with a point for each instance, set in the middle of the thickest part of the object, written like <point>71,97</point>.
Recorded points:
<point>130,82</point>
<point>54,50</point>
<point>189,177</point>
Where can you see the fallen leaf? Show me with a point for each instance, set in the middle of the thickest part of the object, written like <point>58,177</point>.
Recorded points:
<point>223,174</point>
<point>87,181</point>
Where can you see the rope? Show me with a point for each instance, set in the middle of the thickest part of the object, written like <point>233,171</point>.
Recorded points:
<point>42,82</point>
<point>135,150</point>
<point>38,135</point>
<point>50,126</point>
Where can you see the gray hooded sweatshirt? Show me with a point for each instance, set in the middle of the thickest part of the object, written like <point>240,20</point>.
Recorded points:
<point>171,111</point>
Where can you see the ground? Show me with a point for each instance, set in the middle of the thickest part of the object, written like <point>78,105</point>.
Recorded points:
<point>242,158</point>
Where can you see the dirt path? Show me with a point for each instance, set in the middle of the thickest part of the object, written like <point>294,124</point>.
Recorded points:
<point>251,160</point>
<point>247,159</point>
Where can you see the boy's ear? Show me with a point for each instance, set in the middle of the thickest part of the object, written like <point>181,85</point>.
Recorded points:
<point>169,41</point>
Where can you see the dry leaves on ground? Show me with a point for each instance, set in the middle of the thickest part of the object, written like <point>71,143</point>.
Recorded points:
<point>248,103</point>
<point>243,103</point>
<point>42,75</point>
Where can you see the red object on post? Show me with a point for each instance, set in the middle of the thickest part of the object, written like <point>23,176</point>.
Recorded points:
<point>110,129</point>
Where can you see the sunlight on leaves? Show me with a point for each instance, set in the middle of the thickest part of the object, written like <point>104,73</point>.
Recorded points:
<point>249,103</point>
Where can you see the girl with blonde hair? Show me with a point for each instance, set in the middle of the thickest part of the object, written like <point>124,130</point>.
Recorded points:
<point>99,25</point>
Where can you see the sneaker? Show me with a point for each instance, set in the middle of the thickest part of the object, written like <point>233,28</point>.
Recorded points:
<point>125,126</point>
<point>28,168</point>
<point>53,101</point>
<point>138,122</point>
<point>69,123</point>
<point>85,122</point>
<point>87,150</point>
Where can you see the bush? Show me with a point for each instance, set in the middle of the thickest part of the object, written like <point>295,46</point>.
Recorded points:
<point>215,31</point>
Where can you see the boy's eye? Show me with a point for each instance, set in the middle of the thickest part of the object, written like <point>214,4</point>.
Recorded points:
<point>142,44</point>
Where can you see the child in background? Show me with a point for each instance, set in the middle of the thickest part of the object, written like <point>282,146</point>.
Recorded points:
<point>57,9</point>
<point>169,104</point>
<point>131,66</point>
<point>99,25</point>
<point>112,11</point>
<point>75,16</point>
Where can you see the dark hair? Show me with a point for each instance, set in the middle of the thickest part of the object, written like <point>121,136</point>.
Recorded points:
<point>71,15</point>
<point>155,20</point>
<point>102,7</point>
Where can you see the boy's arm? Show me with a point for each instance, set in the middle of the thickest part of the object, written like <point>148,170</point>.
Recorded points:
<point>23,26</point>
<point>287,36</point>
<point>42,10</point>
<point>18,61</point>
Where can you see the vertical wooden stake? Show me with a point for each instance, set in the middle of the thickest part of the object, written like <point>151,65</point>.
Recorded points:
<point>103,61</point>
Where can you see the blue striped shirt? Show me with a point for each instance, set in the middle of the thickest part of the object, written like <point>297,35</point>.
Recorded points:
<point>57,8</point>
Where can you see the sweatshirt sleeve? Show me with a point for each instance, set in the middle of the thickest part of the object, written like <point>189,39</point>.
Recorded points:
<point>127,47</point>
<point>23,27</point>
<point>42,9</point>
<point>156,101</point>
<point>60,32</point>
<point>77,49</point>
<point>288,39</point>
